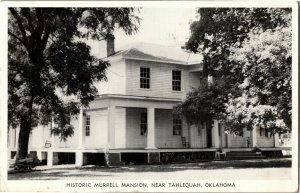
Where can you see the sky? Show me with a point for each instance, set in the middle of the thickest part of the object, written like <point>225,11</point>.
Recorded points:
<point>162,25</point>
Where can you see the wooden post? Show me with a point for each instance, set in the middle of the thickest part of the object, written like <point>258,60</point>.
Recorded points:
<point>111,126</point>
<point>151,128</point>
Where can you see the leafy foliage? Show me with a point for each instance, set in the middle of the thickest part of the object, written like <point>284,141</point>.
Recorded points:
<point>250,51</point>
<point>203,103</point>
<point>50,69</point>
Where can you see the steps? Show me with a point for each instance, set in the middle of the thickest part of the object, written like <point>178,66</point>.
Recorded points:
<point>241,155</point>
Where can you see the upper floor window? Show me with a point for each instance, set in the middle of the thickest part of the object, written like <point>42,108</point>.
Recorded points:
<point>87,125</point>
<point>177,125</point>
<point>144,77</point>
<point>144,123</point>
<point>176,80</point>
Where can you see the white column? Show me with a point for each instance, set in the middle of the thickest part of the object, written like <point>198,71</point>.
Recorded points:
<point>80,129</point>
<point>50,158</point>
<point>111,126</point>
<point>228,140</point>
<point>79,158</point>
<point>276,140</point>
<point>216,139</point>
<point>151,128</point>
<point>254,136</point>
<point>39,155</point>
<point>52,138</point>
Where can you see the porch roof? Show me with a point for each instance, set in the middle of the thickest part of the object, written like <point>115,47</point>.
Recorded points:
<point>105,96</point>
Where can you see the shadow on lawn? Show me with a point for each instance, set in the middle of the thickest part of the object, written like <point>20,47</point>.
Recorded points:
<point>233,164</point>
<point>88,171</point>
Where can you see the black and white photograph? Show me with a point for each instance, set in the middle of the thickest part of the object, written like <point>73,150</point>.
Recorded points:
<point>149,97</point>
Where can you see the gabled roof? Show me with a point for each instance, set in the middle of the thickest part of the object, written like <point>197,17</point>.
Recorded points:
<point>159,53</point>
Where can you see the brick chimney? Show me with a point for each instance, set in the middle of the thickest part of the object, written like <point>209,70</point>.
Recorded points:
<point>110,44</point>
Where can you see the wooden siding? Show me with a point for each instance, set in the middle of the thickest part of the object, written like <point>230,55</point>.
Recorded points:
<point>72,142</point>
<point>240,141</point>
<point>133,137</point>
<point>98,130</point>
<point>160,79</point>
<point>120,127</point>
<point>164,130</point>
<point>198,141</point>
<point>263,141</point>
<point>38,136</point>
<point>116,79</point>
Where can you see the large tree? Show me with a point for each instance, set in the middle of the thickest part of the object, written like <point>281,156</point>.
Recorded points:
<point>49,62</point>
<point>246,49</point>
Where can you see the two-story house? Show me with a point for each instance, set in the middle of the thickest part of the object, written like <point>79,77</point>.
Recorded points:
<point>132,121</point>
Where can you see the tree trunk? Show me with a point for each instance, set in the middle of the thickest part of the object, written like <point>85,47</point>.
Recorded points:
<point>25,127</point>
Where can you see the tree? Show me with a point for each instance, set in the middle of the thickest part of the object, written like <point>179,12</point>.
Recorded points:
<point>266,98</point>
<point>48,61</point>
<point>227,38</point>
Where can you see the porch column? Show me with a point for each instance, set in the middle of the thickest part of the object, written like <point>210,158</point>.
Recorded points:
<point>49,158</point>
<point>228,135</point>
<point>52,138</point>
<point>215,133</point>
<point>276,140</point>
<point>254,136</point>
<point>151,128</point>
<point>80,129</point>
<point>111,126</point>
<point>79,158</point>
<point>39,155</point>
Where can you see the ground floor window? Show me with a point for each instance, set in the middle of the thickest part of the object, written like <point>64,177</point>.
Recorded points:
<point>87,125</point>
<point>200,127</point>
<point>144,123</point>
<point>177,125</point>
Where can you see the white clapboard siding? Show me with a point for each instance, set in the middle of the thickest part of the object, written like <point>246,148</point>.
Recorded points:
<point>120,127</point>
<point>133,137</point>
<point>160,79</point>
<point>198,140</point>
<point>116,80</point>
<point>164,130</point>
<point>71,142</point>
<point>98,130</point>
<point>263,141</point>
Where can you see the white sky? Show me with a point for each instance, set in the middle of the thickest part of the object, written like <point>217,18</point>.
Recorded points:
<point>165,26</point>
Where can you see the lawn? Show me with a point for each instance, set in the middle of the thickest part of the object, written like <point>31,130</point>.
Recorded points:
<point>232,168</point>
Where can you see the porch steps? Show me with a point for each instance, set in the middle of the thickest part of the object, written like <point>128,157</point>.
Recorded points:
<point>241,155</point>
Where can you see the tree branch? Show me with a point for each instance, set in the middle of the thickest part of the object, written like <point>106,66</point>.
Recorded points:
<point>21,27</point>
<point>26,13</point>
<point>45,37</point>
<point>15,36</point>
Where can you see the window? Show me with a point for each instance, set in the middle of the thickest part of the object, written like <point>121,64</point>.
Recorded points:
<point>144,123</point>
<point>219,129</point>
<point>266,133</point>
<point>200,129</point>
<point>144,77</point>
<point>176,80</point>
<point>87,125</point>
<point>260,131</point>
<point>177,125</point>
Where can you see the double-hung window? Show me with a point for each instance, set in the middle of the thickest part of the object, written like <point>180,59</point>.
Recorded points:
<point>177,125</point>
<point>87,125</point>
<point>144,123</point>
<point>176,80</point>
<point>145,77</point>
